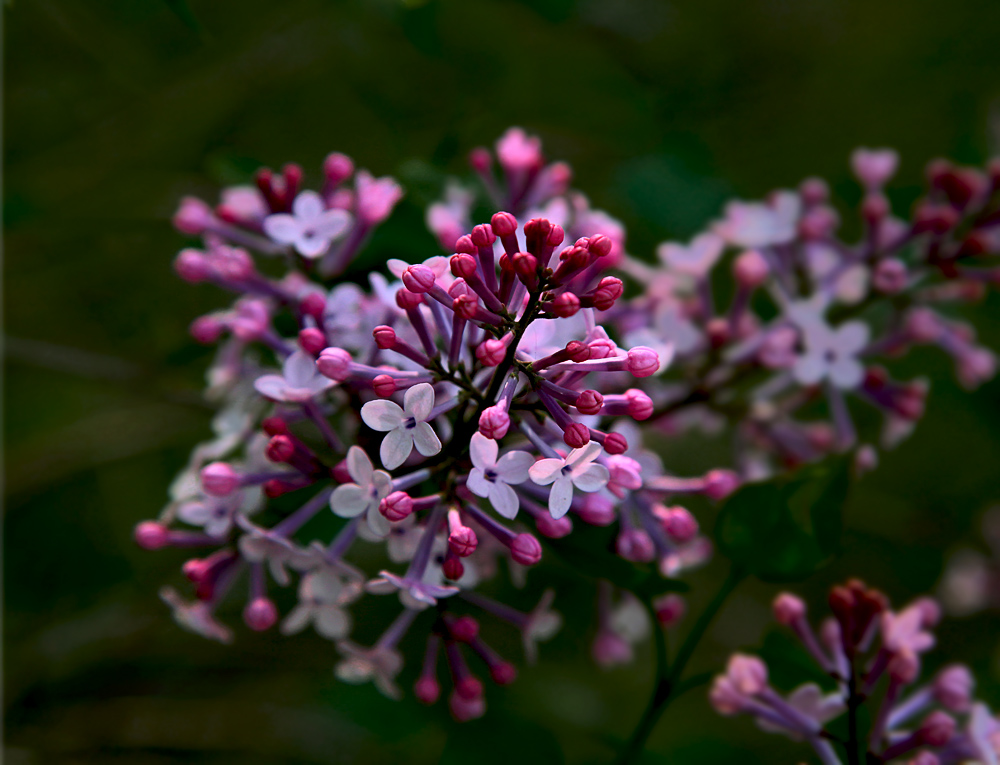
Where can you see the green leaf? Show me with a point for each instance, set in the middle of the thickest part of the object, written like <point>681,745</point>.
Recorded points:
<point>784,530</point>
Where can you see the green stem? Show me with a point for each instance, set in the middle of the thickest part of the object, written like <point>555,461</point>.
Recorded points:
<point>668,685</point>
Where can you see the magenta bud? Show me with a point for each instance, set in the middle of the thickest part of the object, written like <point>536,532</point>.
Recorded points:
<point>463,541</point>
<point>480,159</point>
<point>419,279</point>
<point>578,351</point>
<point>719,484</point>
<point>750,269</point>
<point>875,207</point>
<point>525,549</point>
<point>670,609</point>
<point>313,304</point>
<point>469,687</point>
<point>193,216</point>
<point>589,402</point>
<point>280,449</point>
<point>384,385</point>
<point>206,329</point>
<point>643,361</point>
<point>615,443</point>
<point>566,304</point>
<point>465,306</point>
<point>464,710</point>
<point>427,690</point>
<point>464,246</point>
<point>340,472</point>
<point>607,292</point>
<point>334,363</point>
<point>483,236</point>
<point>494,422</point>
<point>195,569</point>
<point>679,524</point>
<point>576,435</point>
<point>609,648</point>
<point>407,300</point>
<point>788,608</point>
<point>463,265</point>
<point>192,266</point>
<point>150,535</point>
<point>385,337</point>
<point>312,340</point>
<point>337,168</point>
<point>890,276</point>
<point>260,614</point>
<point>464,629</point>
<point>818,223</point>
<point>553,528</point>
<point>635,545</point>
<point>526,267</point>
<point>491,352</point>
<point>640,406</point>
<point>503,673</point>
<point>274,426</point>
<point>602,348</point>
<point>396,506</point>
<point>503,224</point>
<point>600,246</point>
<point>814,191</point>
<point>747,673</point>
<point>597,510</point>
<point>873,167</point>
<point>904,667</point>
<point>953,687</point>
<point>453,569</point>
<point>219,479</point>
<point>555,236</point>
<point>936,729</point>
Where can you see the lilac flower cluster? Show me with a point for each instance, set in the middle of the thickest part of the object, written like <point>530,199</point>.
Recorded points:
<point>872,656</point>
<point>455,410</point>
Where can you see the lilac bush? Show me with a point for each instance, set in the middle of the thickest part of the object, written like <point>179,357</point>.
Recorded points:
<point>490,403</point>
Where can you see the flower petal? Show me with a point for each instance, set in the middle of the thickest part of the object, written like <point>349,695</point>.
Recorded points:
<point>483,451</point>
<point>851,337</point>
<point>359,466</point>
<point>592,478</point>
<point>513,467</point>
<point>426,440</point>
<point>332,224</point>
<point>307,207</point>
<point>504,500</point>
<point>546,471</point>
<point>377,523</point>
<point>349,500</point>
<point>271,386</point>
<point>332,623</point>
<point>396,447</point>
<point>560,497</point>
<point>418,401</point>
<point>311,245</point>
<point>282,228</point>
<point>382,415</point>
<point>846,373</point>
<point>477,483</point>
<point>299,369</point>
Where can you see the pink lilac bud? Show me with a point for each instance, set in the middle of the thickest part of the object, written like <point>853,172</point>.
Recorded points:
<point>565,305</point>
<point>334,363</point>
<point>935,218</point>
<point>193,216</point>
<point>150,535</point>
<point>252,320</point>
<point>890,276</point>
<point>407,300</point>
<point>274,426</point>
<point>463,266</point>
<point>607,292</point>
<point>480,159</point>
<point>280,449</point>
<point>602,348</point>
<point>788,609</point>
<point>519,152</point>
<point>503,224</point>
<point>818,224</point>
<point>874,167</point>
<point>385,337</point>
<point>419,279</point>
<point>525,549</point>
<point>600,246</point>
<point>494,422</point>
<point>725,698</point>
<point>578,351</point>
<point>679,524</point>
<point>718,332</point>
<point>463,709</point>
<point>576,435</point>
<point>463,541</point>
<point>720,483</point>
<point>337,168</point>
<point>750,269</point>
<point>384,386</point>
<point>192,266</point>
<point>589,402</point>
<point>469,687</point>
<point>453,569</point>
<point>610,649</point>
<point>503,673</point>
<point>206,329</point>
<point>491,352</point>
<point>219,479</point>
<point>814,191</point>
<point>553,528</point>
<point>464,629</point>
<point>635,545</point>
<point>313,304</point>
<point>427,690</point>
<point>482,235</point>
<point>640,406</point>
<point>925,758</point>
<point>526,268</point>
<point>396,506</point>
<point>312,340</point>
<point>643,361</point>
<point>748,673</point>
<point>260,614</point>
<point>875,207</point>
<point>597,510</point>
<point>904,667</point>
<point>936,729</point>
<point>670,609</point>
<point>953,687</point>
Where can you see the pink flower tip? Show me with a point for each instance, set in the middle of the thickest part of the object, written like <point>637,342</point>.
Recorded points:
<point>280,448</point>
<point>494,422</point>
<point>469,688</point>
<point>598,510</point>
<point>482,235</point>
<point>788,608</point>
<point>679,524</point>
<point>385,337</point>
<point>337,168</point>
<point>615,443</point>
<point>260,614</point>
<point>334,363</point>
<point>553,528</point>
<point>953,687</point>
<point>464,629</point>
<point>719,484</point>
<point>748,673</point>
<point>453,569</point>
<point>193,216</point>
<point>503,673</point>
<point>643,361</point>
<point>463,541</point>
<point>312,340</point>
<point>407,300</point>
<point>936,729</point>
<point>491,352</point>
<point>192,266</point>
<point>635,545</point>
<point>576,435</point>
<point>565,304</point>
<point>670,609</point>
<point>589,402</point>
<point>206,329</point>
<point>463,265</point>
<point>150,535</point>
<point>873,167</point>
<point>750,269</point>
<point>418,278</point>
<point>219,479</point>
<point>396,506</point>
<point>503,224</point>
<point>640,405</point>
<point>525,549</point>
<point>610,649</point>
<point>427,690</point>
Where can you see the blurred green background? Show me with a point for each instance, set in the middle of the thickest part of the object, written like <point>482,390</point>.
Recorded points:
<point>115,109</point>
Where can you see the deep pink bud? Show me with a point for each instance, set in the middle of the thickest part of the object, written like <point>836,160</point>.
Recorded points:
<point>526,267</point>
<point>577,435</point>
<point>525,549</point>
<point>463,265</point>
<point>465,306</point>
<point>747,673</point>
<point>150,535</point>
<point>679,524</point>
<point>875,207</point>
<point>578,351</point>
<point>337,168</point>
<point>566,304</point>
<point>406,299</point>
<point>598,510</point>
<point>260,614</point>
<point>643,361</point>
<point>219,479</point>
<point>873,167</point>
<point>607,292</point>
<point>494,422</point>
<point>453,569</point>
<point>334,363</point>
<point>615,443</point>
<point>609,648</point>
<point>589,402</point>
<point>937,728</point>
<point>340,472</point>
<point>385,337</point>
<point>600,245</point>
<point>937,218</point>
<point>192,266</point>
<point>814,191</point>
<point>464,245</point>
<point>750,269</point>
<point>396,506</point>
<point>427,690</point>
<point>463,541</point>
<point>274,426</point>
<point>818,223</point>
<point>480,159</point>
<point>280,449</point>
<point>418,278</point>
<point>464,629</point>
<point>670,609</point>
<point>464,710</point>
<point>193,216</point>
<point>195,569</point>
<point>491,352</point>
<point>313,304</point>
<point>469,687</point>
<point>788,608</point>
<point>206,329</point>
<point>483,236</point>
<point>904,667</point>
<point>953,687</point>
<point>503,224</point>
<point>552,528</point>
<point>890,276</point>
<point>503,673</point>
<point>635,545</point>
<point>640,406</point>
<point>312,340</point>
<point>719,484</point>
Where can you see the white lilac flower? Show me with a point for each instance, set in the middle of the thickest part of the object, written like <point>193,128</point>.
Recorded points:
<point>406,427</point>
<point>371,487</point>
<point>196,616</point>
<point>310,228</point>
<point>832,354</point>
<point>213,514</point>
<point>983,732</point>
<point>810,702</point>
<point>321,596</point>
<point>695,259</point>
<point>378,665</point>
<point>491,478</point>
<point>299,381</point>
<point>578,469</point>
<point>755,224</point>
<point>260,545</point>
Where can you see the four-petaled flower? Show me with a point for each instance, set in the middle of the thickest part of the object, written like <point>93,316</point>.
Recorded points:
<point>407,426</point>
<point>298,383</point>
<point>196,616</point>
<point>578,469</point>
<point>370,487</point>
<point>491,478</point>
<point>695,259</point>
<point>310,228</point>
<point>832,354</point>
<point>379,665</point>
<point>321,596</point>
